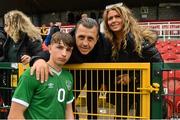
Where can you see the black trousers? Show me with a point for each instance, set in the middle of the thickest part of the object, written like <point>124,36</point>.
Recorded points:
<point>92,83</point>
<point>124,101</point>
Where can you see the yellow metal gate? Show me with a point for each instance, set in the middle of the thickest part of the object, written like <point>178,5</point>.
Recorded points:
<point>112,90</point>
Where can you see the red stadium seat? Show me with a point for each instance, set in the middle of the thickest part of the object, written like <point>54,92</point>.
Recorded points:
<point>163,43</point>
<point>177,60</point>
<point>171,74</point>
<point>174,42</point>
<point>178,56</point>
<point>168,47</point>
<point>178,45</point>
<point>171,82</point>
<point>162,50</point>
<point>158,46</point>
<point>177,51</point>
<point>178,41</point>
<point>177,100</point>
<point>169,56</point>
<point>171,103</point>
<point>178,107</point>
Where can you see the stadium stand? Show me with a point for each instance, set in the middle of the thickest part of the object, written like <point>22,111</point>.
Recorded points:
<point>169,49</point>
<point>171,85</point>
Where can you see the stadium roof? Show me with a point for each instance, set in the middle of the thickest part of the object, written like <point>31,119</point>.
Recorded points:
<point>47,6</point>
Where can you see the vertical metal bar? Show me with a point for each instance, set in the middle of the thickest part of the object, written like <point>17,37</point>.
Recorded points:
<point>145,99</point>
<point>97,90</point>
<point>109,90</point>
<point>91,94</point>
<point>128,94</point>
<point>134,95</point>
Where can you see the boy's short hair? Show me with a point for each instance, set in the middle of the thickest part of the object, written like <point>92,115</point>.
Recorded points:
<point>66,38</point>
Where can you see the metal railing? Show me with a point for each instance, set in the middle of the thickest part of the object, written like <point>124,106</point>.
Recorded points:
<point>107,74</point>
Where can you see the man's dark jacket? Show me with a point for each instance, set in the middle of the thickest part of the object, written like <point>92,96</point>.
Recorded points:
<point>100,53</point>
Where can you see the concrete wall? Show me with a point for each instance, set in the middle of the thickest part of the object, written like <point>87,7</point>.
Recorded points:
<point>169,13</point>
<point>154,13</point>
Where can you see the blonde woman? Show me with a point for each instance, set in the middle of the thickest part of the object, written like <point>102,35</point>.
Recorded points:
<point>23,38</point>
<point>130,43</point>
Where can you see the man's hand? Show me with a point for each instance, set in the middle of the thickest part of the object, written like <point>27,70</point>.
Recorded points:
<point>42,70</point>
<point>123,79</point>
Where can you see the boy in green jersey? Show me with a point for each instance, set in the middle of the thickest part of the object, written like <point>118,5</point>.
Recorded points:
<point>53,99</point>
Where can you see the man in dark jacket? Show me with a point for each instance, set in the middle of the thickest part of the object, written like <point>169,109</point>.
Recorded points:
<point>91,46</point>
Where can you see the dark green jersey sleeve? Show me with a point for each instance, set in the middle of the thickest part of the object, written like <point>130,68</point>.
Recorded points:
<point>25,89</point>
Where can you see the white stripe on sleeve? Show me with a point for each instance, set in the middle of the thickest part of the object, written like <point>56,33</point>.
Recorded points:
<point>70,101</point>
<point>20,102</point>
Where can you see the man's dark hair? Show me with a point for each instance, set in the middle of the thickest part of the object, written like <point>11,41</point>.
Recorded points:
<point>66,38</point>
<point>88,23</point>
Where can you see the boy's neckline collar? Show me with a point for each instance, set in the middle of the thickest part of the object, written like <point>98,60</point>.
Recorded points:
<point>54,70</point>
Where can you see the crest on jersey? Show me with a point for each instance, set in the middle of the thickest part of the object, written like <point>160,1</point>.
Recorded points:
<point>50,85</point>
<point>68,84</point>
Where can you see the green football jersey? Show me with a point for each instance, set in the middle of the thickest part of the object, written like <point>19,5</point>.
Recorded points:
<point>47,100</point>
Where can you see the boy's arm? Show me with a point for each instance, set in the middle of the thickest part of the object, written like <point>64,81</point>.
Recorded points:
<point>16,111</point>
<point>69,112</point>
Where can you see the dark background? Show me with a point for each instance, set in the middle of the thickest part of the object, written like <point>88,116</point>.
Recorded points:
<point>46,6</point>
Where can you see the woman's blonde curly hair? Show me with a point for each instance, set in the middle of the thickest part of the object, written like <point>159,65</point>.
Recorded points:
<point>130,25</point>
<point>17,21</point>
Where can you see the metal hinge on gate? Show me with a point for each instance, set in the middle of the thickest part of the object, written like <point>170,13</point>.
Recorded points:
<point>154,87</point>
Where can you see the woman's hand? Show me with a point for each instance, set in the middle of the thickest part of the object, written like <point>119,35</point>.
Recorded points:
<point>25,59</point>
<point>42,70</point>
